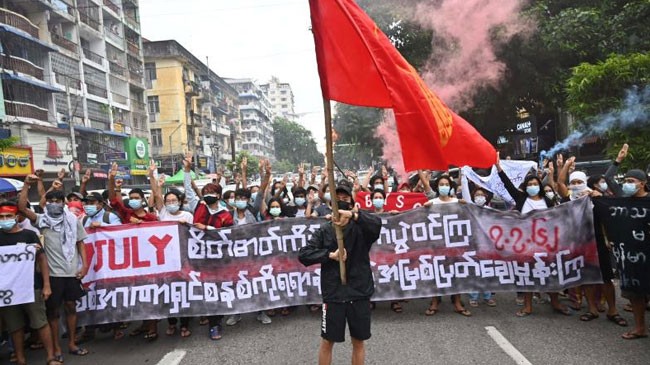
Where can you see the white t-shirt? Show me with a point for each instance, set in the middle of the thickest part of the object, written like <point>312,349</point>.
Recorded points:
<point>165,215</point>
<point>438,201</point>
<point>531,205</point>
<point>300,213</point>
<point>239,221</point>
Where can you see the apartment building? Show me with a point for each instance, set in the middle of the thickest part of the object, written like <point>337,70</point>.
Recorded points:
<point>281,98</point>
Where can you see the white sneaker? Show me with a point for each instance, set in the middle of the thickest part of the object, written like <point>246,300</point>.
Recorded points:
<point>233,320</point>
<point>262,317</point>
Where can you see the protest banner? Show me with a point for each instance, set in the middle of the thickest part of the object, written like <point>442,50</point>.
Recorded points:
<point>400,202</point>
<point>17,274</point>
<point>626,225</point>
<point>515,170</point>
<point>439,250</point>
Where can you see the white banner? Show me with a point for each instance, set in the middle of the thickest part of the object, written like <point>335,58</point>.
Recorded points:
<point>17,274</point>
<point>118,252</point>
<point>516,171</point>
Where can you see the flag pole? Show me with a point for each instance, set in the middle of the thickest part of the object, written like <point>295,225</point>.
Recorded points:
<point>329,155</point>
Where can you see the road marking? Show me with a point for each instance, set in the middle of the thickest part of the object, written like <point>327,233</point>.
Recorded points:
<point>506,346</point>
<point>173,358</point>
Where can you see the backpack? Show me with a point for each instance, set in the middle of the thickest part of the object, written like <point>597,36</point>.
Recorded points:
<point>106,218</point>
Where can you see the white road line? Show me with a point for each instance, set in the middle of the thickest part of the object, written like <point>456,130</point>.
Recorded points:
<point>506,346</point>
<point>173,358</point>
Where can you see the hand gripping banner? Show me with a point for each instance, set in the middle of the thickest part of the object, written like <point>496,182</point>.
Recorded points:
<point>159,270</point>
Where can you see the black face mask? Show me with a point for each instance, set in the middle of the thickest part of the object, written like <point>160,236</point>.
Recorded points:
<point>344,205</point>
<point>209,200</point>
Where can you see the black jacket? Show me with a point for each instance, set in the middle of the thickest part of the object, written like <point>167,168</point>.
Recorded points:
<point>518,195</point>
<point>358,238</point>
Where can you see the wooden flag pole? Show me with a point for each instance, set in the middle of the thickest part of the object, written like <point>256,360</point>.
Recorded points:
<point>329,155</point>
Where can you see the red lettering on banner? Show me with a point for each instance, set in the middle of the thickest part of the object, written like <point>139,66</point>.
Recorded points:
<point>541,236</point>
<point>126,260</point>
<point>160,245</point>
<point>394,201</point>
<point>135,250</point>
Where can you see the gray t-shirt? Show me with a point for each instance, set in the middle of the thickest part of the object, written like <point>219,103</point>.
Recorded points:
<point>56,261</point>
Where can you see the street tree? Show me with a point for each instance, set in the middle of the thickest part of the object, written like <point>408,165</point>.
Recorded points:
<point>294,143</point>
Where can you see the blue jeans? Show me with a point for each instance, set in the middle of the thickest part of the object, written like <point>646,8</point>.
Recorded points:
<point>474,296</point>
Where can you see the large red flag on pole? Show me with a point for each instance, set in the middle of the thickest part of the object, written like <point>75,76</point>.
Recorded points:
<point>359,65</point>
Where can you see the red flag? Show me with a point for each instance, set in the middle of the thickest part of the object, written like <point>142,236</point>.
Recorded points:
<point>359,65</point>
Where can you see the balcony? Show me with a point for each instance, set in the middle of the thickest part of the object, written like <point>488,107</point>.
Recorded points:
<point>133,47</point>
<point>97,91</point>
<point>132,21</point>
<point>73,83</point>
<point>111,5</point>
<point>21,65</point>
<point>18,21</point>
<point>138,107</point>
<point>92,56</point>
<point>117,69</point>
<point>119,98</point>
<point>64,43</point>
<point>192,88</point>
<point>89,21</point>
<point>135,77</point>
<point>114,35</point>
<point>24,110</point>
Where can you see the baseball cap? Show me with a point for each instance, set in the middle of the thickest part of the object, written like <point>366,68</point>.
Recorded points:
<point>94,196</point>
<point>75,194</point>
<point>637,174</point>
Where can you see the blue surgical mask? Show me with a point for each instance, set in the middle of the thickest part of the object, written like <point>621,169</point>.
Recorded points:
<point>379,187</point>
<point>253,196</point>
<point>231,202</point>
<point>7,225</point>
<point>135,203</point>
<point>300,201</point>
<point>532,190</point>
<point>327,197</point>
<point>275,211</point>
<point>90,210</point>
<point>241,204</point>
<point>378,203</point>
<point>444,190</point>
<point>629,189</point>
<point>173,208</point>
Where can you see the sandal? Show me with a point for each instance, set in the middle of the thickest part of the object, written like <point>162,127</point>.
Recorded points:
<point>616,318</point>
<point>118,335</point>
<point>463,312</point>
<point>185,332</point>
<point>271,313</point>
<point>151,336</point>
<point>203,321</point>
<point>632,336</point>
<point>491,303</point>
<point>53,361</point>
<point>314,308</point>
<point>285,312</point>
<point>396,307</point>
<point>562,310</point>
<point>36,345</point>
<point>78,352</point>
<point>431,310</point>
<point>627,307</point>
<point>171,330</point>
<point>473,303</point>
<point>588,317</point>
<point>58,358</point>
<point>522,313</point>
<point>215,333</point>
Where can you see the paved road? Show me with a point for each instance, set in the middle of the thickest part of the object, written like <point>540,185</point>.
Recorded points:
<point>406,338</point>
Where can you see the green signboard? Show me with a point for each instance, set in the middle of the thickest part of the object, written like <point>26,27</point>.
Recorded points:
<point>137,155</point>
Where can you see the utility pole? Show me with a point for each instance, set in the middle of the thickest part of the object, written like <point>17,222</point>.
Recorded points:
<point>73,140</point>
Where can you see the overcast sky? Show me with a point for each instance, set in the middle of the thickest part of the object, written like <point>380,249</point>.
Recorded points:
<point>246,39</point>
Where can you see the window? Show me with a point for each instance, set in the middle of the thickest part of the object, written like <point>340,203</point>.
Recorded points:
<point>284,106</point>
<point>156,137</point>
<point>150,71</point>
<point>284,99</point>
<point>154,104</point>
<point>283,92</point>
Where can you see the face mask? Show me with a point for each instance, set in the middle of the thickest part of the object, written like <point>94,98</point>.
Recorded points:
<point>253,196</point>
<point>480,200</point>
<point>379,187</point>
<point>241,204</point>
<point>285,200</point>
<point>173,208</point>
<point>378,203</point>
<point>327,197</point>
<point>629,189</point>
<point>532,190</point>
<point>135,203</point>
<point>90,210</point>
<point>344,205</point>
<point>54,209</point>
<point>550,195</point>
<point>8,224</point>
<point>231,202</point>
<point>444,190</point>
<point>223,204</point>
<point>275,211</point>
<point>210,199</point>
<point>300,201</point>
<point>578,188</point>
<point>603,186</point>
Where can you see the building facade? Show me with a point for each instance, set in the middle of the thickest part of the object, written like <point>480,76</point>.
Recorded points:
<point>257,119</point>
<point>281,98</point>
<point>78,62</point>
<point>190,108</point>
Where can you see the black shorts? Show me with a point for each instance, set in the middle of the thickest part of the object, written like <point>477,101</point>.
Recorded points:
<point>356,314</point>
<point>63,290</point>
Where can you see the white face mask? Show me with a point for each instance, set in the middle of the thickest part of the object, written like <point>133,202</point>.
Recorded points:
<point>480,200</point>
<point>550,195</point>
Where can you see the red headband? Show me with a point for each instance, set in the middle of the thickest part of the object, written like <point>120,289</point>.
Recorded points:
<point>9,209</point>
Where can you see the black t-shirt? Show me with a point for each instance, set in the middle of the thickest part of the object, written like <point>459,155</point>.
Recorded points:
<point>25,237</point>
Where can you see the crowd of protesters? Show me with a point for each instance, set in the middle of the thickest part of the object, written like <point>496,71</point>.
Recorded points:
<point>59,233</point>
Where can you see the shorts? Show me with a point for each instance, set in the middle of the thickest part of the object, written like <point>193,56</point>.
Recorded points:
<point>14,316</point>
<point>355,313</point>
<point>66,289</point>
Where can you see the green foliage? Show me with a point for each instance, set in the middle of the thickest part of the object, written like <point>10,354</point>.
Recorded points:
<point>7,142</point>
<point>252,167</point>
<point>294,143</point>
<point>357,145</point>
<point>284,166</point>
